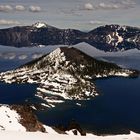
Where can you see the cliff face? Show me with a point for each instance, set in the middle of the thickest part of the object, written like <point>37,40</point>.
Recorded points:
<point>106,38</point>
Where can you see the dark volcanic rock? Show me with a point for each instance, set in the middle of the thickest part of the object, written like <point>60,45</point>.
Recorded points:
<point>16,36</point>
<point>28,118</point>
<point>72,126</point>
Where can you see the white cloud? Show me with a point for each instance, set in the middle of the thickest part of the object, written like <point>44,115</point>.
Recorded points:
<point>110,5</point>
<point>22,57</point>
<point>19,8</point>
<point>88,6</point>
<point>8,22</point>
<point>117,5</point>
<point>8,8</point>
<point>36,55</point>
<point>8,56</point>
<point>5,8</point>
<point>96,22</point>
<point>34,9</point>
<point>128,3</point>
<point>103,5</point>
<point>12,56</point>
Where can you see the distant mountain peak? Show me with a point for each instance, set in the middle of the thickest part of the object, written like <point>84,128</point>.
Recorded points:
<point>56,54</point>
<point>66,54</point>
<point>40,25</point>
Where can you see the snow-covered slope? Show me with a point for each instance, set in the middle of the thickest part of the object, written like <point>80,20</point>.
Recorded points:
<point>43,136</point>
<point>65,73</point>
<point>11,127</point>
<point>10,119</point>
<point>19,118</point>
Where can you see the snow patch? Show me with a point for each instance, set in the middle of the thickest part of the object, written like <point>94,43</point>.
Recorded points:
<point>120,38</point>
<point>9,120</point>
<point>40,25</point>
<point>114,39</point>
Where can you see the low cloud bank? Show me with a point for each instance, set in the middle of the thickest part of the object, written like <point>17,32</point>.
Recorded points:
<point>88,6</point>
<point>34,9</point>
<point>8,8</point>
<point>8,22</point>
<point>5,8</point>
<point>125,4</point>
<point>19,8</point>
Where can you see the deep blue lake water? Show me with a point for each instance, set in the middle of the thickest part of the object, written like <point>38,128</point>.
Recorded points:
<point>16,93</point>
<point>116,110</point>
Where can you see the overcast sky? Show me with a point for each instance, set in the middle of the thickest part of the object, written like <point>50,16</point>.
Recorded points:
<point>81,14</point>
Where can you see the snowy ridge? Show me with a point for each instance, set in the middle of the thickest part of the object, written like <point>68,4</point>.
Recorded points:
<point>114,39</point>
<point>9,119</point>
<point>39,25</point>
<point>63,74</point>
<point>118,36</point>
<point>10,125</point>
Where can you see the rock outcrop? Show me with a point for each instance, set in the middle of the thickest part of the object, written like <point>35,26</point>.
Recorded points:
<point>19,118</point>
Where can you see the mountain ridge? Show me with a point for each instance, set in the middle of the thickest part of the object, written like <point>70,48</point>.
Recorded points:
<point>107,38</point>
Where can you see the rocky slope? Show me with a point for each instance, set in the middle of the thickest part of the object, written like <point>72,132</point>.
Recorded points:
<point>19,118</point>
<point>106,38</point>
<point>65,73</point>
<point>22,118</point>
<point>115,38</point>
